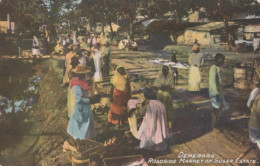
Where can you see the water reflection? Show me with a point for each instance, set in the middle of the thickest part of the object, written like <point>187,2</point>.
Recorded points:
<point>18,86</point>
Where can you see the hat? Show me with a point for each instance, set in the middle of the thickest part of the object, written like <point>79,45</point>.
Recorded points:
<point>196,48</point>
<point>81,70</point>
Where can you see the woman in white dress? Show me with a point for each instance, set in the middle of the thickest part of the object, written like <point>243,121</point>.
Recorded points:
<point>36,46</point>
<point>97,61</point>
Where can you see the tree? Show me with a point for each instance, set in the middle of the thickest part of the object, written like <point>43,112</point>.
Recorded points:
<point>24,13</point>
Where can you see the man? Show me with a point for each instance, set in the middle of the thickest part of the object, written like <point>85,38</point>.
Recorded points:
<point>195,61</point>
<point>106,59</point>
<point>216,92</point>
<point>256,42</point>
<point>20,45</point>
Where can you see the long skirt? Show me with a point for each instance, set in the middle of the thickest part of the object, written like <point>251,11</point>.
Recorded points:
<point>166,98</point>
<point>81,124</point>
<point>71,101</point>
<point>98,74</point>
<point>118,109</point>
<point>254,135</point>
<point>194,79</point>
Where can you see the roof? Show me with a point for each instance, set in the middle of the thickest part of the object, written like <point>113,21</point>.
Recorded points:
<point>211,26</point>
<point>252,28</point>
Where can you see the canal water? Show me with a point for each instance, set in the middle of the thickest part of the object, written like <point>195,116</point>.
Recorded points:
<point>18,86</point>
<point>18,93</point>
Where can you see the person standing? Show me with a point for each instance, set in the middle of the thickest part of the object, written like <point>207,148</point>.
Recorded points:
<point>97,61</point>
<point>120,94</point>
<point>164,82</point>
<point>46,44</point>
<point>94,40</point>
<point>81,124</point>
<point>20,45</point>
<point>216,91</point>
<point>106,59</point>
<point>175,70</point>
<point>71,99</point>
<point>35,47</point>
<point>256,42</point>
<point>68,66</point>
<point>91,65</point>
<point>195,61</point>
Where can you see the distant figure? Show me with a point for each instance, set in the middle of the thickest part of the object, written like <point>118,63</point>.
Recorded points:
<point>175,70</point>
<point>106,59</point>
<point>256,42</point>
<point>164,82</point>
<point>195,61</point>
<point>81,124</point>
<point>133,45</point>
<point>36,47</point>
<point>46,43</point>
<point>20,45</point>
<point>68,66</point>
<point>154,130</point>
<point>97,61</point>
<point>83,44</point>
<point>91,65</point>
<point>59,48</point>
<point>196,44</point>
<point>68,39</point>
<point>74,38</point>
<point>94,40</point>
<point>122,44</point>
<point>120,94</point>
<point>216,91</point>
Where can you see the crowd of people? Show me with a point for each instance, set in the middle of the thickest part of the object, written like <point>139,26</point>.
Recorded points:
<point>150,119</point>
<point>36,45</point>
<point>87,61</point>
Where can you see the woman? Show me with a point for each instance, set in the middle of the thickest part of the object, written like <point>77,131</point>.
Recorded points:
<point>68,66</point>
<point>97,61</point>
<point>71,99</point>
<point>36,46</point>
<point>81,124</point>
<point>195,61</point>
<point>120,94</point>
<point>154,130</point>
<point>256,42</point>
<point>164,82</point>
